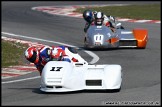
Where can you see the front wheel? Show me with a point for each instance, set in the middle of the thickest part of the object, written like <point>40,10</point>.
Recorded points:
<point>73,50</point>
<point>121,27</point>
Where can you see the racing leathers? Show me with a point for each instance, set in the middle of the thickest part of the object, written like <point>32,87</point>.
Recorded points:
<point>47,54</point>
<point>108,21</point>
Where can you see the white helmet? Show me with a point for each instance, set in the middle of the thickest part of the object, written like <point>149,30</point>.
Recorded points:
<point>99,18</point>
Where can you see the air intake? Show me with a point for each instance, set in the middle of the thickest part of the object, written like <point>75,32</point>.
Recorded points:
<point>93,82</point>
<point>127,43</point>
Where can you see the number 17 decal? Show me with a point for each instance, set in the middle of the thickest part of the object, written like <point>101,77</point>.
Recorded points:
<point>56,68</point>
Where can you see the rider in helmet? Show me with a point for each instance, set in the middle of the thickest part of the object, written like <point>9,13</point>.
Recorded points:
<point>108,21</point>
<point>98,18</point>
<point>58,52</point>
<point>105,20</point>
<point>88,17</point>
<point>41,56</point>
<point>38,57</point>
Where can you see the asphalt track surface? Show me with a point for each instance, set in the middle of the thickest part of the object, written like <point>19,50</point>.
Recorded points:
<point>140,67</point>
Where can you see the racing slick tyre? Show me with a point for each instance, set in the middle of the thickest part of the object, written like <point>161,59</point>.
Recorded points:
<point>121,27</point>
<point>73,50</point>
<point>85,43</point>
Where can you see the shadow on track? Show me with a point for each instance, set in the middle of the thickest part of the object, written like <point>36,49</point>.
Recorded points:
<point>107,49</point>
<point>77,92</point>
<point>38,91</point>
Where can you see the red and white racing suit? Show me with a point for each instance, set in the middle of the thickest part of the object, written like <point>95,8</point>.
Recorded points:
<point>46,54</point>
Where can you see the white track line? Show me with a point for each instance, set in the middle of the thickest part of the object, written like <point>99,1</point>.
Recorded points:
<point>20,80</point>
<point>94,56</point>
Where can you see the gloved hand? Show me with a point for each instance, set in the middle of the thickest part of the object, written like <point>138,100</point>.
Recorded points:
<point>54,52</point>
<point>66,58</point>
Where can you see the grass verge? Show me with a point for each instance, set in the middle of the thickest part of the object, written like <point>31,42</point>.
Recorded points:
<point>12,53</point>
<point>149,12</point>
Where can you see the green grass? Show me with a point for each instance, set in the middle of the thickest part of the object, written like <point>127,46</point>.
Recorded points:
<point>12,53</point>
<point>149,12</point>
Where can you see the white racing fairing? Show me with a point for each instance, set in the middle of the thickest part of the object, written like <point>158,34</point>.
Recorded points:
<point>61,76</point>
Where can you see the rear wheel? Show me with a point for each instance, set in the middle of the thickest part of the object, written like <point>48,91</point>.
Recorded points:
<point>85,42</point>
